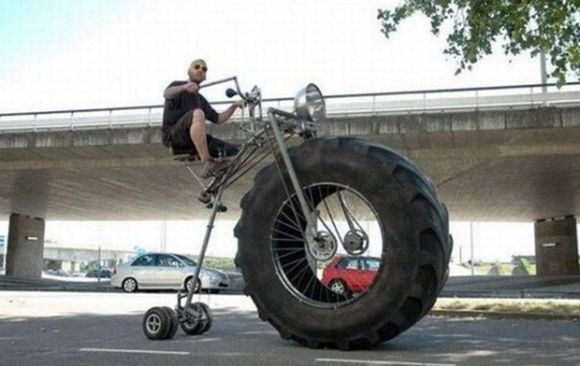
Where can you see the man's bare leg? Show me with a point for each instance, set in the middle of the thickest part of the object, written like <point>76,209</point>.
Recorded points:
<point>197,134</point>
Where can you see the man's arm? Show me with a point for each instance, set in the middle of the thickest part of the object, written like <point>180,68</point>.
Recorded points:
<point>227,114</point>
<point>173,91</point>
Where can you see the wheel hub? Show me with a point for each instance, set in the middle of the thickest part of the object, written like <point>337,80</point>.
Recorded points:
<point>153,323</point>
<point>356,242</point>
<point>323,246</point>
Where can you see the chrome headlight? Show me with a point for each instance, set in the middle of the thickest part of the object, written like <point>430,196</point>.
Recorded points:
<point>309,104</point>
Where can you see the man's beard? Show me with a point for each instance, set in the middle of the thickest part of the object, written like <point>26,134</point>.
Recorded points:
<point>193,80</point>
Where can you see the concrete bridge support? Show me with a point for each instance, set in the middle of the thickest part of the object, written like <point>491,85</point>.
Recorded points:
<point>556,247</point>
<point>25,247</point>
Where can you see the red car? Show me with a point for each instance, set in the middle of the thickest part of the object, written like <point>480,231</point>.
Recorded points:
<point>345,275</point>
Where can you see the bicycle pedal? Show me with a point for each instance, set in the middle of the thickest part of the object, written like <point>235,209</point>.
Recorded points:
<point>221,208</point>
<point>204,198</point>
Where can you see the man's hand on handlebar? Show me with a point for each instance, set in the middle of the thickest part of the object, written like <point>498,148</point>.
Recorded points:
<point>191,87</point>
<point>240,103</point>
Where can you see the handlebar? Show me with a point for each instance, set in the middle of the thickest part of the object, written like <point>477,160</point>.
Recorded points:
<point>247,98</point>
<point>233,78</point>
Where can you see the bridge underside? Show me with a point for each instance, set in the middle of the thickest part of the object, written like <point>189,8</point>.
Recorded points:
<point>502,166</point>
<point>499,175</point>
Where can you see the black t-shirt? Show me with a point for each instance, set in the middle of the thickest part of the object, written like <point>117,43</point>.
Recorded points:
<point>179,105</point>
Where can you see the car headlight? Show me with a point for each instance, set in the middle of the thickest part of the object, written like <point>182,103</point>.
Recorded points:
<point>309,104</point>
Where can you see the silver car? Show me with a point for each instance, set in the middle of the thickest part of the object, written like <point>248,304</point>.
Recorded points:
<point>166,271</point>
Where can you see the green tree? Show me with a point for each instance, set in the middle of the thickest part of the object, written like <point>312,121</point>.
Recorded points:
<point>549,26</point>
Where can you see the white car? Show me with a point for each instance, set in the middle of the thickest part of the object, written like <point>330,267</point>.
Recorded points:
<point>166,271</point>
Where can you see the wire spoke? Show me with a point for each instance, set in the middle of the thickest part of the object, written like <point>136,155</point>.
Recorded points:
<point>297,226</point>
<point>293,263</point>
<point>292,252</point>
<point>286,235</point>
<point>337,208</point>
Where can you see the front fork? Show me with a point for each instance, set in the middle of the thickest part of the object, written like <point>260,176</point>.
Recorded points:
<point>310,219</point>
<point>312,234</point>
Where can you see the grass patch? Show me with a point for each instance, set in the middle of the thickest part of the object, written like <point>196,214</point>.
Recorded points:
<point>529,306</point>
<point>224,264</point>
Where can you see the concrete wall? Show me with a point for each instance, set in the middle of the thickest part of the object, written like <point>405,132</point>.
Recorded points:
<point>556,247</point>
<point>25,247</point>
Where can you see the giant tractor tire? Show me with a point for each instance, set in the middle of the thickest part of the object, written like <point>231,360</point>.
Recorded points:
<point>372,203</point>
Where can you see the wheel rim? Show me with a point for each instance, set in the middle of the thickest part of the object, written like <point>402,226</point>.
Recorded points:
<point>153,323</point>
<point>342,211</point>
<point>129,285</point>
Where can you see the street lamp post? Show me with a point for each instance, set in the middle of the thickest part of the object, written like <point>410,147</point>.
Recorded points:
<point>544,75</point>
<point>471,247</point>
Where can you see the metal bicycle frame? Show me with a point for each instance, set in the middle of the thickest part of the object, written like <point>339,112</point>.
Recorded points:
<point>236,169</point>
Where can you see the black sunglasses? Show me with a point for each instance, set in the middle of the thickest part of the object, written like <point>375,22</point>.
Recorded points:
<point>197,67</point>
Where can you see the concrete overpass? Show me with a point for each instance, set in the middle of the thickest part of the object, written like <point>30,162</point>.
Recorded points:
<point>503,154</point>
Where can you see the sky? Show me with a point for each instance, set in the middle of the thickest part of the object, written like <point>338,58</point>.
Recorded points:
<point>73,54</point>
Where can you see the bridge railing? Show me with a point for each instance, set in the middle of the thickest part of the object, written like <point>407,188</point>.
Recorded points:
<point>343,105</point>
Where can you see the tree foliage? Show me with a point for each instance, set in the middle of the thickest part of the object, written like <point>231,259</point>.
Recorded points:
<point>549,26</point>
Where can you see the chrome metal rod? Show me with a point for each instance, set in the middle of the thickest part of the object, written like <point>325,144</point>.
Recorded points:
<point>291,172</point>
<point>211,83</point>
<point>216,206</point>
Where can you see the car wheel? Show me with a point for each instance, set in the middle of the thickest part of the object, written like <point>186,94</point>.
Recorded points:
<point>338,287</point>
<point>130,285</point>
<point>189,283</point>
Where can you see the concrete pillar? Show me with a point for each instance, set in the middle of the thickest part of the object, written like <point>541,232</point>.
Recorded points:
<point>556,247</point>
<point>25,247</point>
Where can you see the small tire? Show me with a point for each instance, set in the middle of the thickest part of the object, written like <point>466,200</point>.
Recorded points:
<point>174,322</point>
<point>338,286</point>
<point>200,323</point>
<point>208,321</point>
<point>157,323</point>
<point>130,285</point>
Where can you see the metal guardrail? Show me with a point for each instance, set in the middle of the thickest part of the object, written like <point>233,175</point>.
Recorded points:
<point>340,105</point>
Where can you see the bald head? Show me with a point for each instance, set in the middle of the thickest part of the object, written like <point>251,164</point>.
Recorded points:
<point>197,70</point>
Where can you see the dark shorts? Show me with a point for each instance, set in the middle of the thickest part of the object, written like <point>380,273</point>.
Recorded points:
<point>179,137</point>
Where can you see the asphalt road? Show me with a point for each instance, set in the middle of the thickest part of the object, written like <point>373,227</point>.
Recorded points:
<point>105,329</point>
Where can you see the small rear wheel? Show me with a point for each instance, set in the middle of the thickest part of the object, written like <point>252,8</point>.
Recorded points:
<point>197,319</point>
<point>208,318</point>
<point>173,319</point>
<point>157,323</point>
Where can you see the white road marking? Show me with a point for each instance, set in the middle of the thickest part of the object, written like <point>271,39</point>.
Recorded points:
<point>371,362</point>
<point>111,350</point>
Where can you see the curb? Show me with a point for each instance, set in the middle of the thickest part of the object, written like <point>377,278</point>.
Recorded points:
<point>503,315</point>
